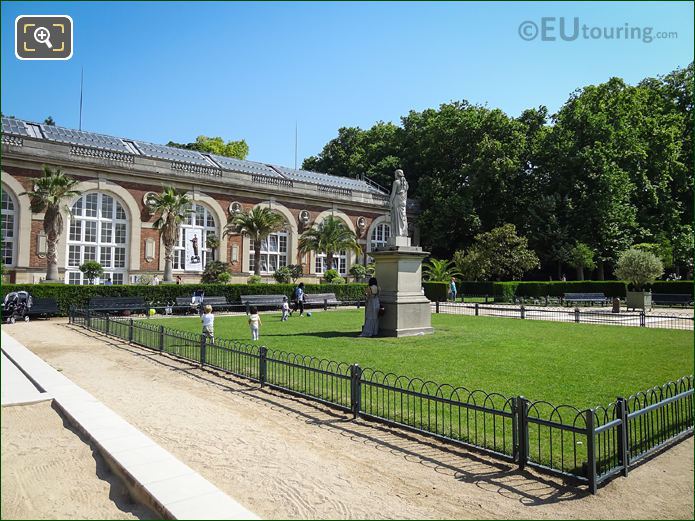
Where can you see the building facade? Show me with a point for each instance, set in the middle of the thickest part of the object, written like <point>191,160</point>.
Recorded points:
<point>109,221</point>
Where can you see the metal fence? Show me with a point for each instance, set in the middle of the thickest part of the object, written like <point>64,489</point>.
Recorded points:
<point>577,315</point>
<point>587,446</point>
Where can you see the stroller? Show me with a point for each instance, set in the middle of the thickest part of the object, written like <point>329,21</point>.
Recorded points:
<point>197,301</point>
<point>17,305</point>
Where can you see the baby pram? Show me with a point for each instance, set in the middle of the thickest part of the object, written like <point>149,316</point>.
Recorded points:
<point>16,306</point>
<point>197,301</point>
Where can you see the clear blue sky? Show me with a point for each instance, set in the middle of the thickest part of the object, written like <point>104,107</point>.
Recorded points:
<point>161,71</point>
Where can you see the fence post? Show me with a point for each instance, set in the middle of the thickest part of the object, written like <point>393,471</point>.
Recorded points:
<point>161,338</point>
<point>621,412</point>
<point>89,319</point>
<point>203,346</point>
<point>522,428</point>
<point>106,328</point>
<point>355,389</point>
<point>437,306</point>
<point>522,309</point>
<point>477,309</point>
<point>590,450</point>
<point>576,315</point>
<point>642,319</point>
<point>262,364</point>
<point>130,331</point>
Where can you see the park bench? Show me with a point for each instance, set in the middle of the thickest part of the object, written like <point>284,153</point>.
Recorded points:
<point>321,299</point>
<point>184,303</point>
<point>43,307</point>
<point>585,297</point>
<point>271,301</point>
<point>672,298</point>
<point>117,304</point>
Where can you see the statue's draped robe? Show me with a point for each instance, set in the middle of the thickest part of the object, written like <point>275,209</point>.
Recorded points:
<point>399,196</point>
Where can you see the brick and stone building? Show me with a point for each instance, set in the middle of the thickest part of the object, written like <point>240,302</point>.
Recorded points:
<point>110,222</point>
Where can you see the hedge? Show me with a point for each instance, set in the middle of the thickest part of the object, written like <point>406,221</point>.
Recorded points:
<point>67,295</point>
<point>436,290</point>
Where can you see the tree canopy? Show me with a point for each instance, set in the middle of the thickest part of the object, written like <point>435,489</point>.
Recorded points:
<point>216,145</point>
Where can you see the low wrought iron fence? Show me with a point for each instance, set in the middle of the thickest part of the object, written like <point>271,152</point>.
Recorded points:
<point>577,315</point>
<point>587,446</point>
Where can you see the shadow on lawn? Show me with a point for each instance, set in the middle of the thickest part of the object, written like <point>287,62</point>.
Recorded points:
<point>527,487</point>
<point>319,334</point>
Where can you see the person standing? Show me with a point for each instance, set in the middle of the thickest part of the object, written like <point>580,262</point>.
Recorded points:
<point>285,309</point>
<point>208,320</point>
<point>452,289</point>
<point>371,309</point>
<point>178,279</point>
<point>298,299</point>
<point>255,323</point>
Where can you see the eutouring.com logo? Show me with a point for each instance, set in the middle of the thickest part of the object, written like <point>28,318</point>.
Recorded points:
<point>552,28</point>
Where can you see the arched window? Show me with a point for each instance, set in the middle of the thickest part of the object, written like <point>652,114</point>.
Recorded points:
<point>202,219</point>
<point>273,253</point>
<point>339,262</point>
<point>98,232</point>
<point>9,229</point>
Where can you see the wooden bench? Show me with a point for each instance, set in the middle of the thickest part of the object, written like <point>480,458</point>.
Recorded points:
<point>585,297</point>
<point>672,298</point>
<point>43,307</point>
<point>117,303</point>
<point>321,299</point>
<point>271,301</point>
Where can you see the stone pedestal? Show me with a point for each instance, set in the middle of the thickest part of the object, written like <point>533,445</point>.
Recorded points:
<point>399,272</point>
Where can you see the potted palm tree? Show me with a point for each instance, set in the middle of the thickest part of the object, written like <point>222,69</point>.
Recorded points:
<point>212,242</point>
<point>330,236</point>
<point>48,196</point>
<point>171,208</point>
<point>257,223</point>
<point>640,269</point>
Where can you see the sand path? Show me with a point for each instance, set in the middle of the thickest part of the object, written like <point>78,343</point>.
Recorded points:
<point>289,458</point>
<point>49,472</point>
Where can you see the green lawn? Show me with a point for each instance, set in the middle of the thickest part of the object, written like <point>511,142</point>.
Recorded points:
<point>579,364</point>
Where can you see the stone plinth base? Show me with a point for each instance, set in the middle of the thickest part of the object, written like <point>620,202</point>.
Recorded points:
<point>399,272</point>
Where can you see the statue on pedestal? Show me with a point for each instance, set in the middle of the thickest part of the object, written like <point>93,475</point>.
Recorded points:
<point>398,199</point>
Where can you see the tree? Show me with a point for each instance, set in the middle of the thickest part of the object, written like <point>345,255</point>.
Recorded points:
<point>49,195</point>
<point>639,268</point>
<point>171,208</point>
<point>581,257</point>
<point>49,121</point>
<point>683,246</point>
<point>330,236</point>
<point>257,223</point>
<point>216,145</point>
<point>289,273</point>
<point>500,254</point>
<point>436,270</point>
<point>92,270</point>
<point>359,271</point>
<point>212,242</point>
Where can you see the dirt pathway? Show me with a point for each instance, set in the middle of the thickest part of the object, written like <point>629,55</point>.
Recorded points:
<point>290,458</point>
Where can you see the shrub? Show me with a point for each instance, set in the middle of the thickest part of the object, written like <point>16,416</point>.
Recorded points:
<point>435,270</point>
<point>224,278</point>
<point>683,287</point>
<point>296,271</point>
<point>255,279</point>
<point>338,280</point>
<point>436,290</point>
<point>639,268</point>
<point>92,270</point>
<point>213,271</point>
<point>330,275</point>
<point>359,271</point>
<point>283,275</point>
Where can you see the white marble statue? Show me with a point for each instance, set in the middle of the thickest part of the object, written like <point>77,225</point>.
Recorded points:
<point>399,197</point>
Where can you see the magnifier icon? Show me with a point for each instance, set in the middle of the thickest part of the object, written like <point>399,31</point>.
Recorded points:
<point>43,35</point>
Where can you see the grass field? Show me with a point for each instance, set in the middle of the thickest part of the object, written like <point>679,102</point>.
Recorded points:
<point>579,364</point>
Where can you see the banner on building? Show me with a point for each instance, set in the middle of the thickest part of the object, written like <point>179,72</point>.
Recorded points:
<point>193,237</point>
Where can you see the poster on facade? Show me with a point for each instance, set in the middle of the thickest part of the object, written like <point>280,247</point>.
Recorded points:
<point>193,238</point>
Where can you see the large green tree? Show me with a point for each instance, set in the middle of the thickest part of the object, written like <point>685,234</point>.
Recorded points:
<point>171,208</point>
<point>216,145</point>
<point>330,236</point>
<point>257,224</point>
<point>50,193</point>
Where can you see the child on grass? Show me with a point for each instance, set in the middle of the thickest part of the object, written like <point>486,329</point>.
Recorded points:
<point>285,309</point>
<point>254,323</point>
<point>208,324</point>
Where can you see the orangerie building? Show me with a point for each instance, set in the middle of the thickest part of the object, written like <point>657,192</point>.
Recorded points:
<point>109,221</point>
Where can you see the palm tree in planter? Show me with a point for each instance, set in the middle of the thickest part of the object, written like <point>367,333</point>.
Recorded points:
<point>48,196</point>
<point>330,236</point>
<point>257,223</point>
<point>171,208</point>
